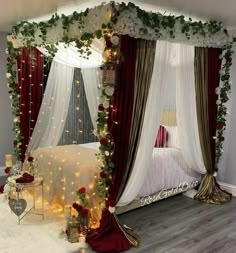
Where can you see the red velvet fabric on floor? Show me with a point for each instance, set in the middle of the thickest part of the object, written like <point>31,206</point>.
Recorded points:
<point>109,237</point>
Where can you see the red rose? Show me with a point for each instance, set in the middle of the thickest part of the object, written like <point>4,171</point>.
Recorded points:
<point>15,142</point>
<point>1,188</point>
<point>16,86</point>
<point>103,141</point>
<point>108,43</point>
<point>82,190</point>
<point>229,59</point>
<point>74,205</point>
<point>100,107</point>
<point>219,125</point>
<point>112,203</point>
<point>22,158</point>
<point>30,159</point>
<point>7,170</point>
<point>103,174</point>
<point>222,138</point>
<point>8,59</point>
<point>216,169</point>
<point>84,212</point>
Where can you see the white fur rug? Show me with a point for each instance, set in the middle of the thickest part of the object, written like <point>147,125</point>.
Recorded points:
<point>34,234</point>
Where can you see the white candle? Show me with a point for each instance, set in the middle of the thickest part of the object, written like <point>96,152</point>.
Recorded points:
<point>8,160</point>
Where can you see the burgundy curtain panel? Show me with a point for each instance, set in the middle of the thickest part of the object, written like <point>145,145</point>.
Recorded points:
<point>30,81</point>
<point>109,237</point>
<point>214,65</point>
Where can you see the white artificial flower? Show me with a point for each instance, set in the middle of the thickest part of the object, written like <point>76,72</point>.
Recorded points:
<point>109,91</point>
<point>218,101</point>
<point>10,97</point>
<point>215,174</point>
<point>16,119</point>
<point>218,90</point>
<point>106,104</point>
<point>221,85</point>
<point>8,75</point>
<point>7,52</point>
<point>221,72</point>
<point>111,209</point>
<point>107,153</point>
<point>115,40</point>
<point>214,137</point>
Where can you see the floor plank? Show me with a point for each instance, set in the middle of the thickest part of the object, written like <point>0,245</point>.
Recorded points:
<point>183,225</point>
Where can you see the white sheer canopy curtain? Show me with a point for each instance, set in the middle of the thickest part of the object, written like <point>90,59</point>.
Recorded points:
<point>54,108</point>
<point>167,55</point>
<point>186,109</point>
<point>90,69</point>
<point>150,125</point>
<point>55,104</point>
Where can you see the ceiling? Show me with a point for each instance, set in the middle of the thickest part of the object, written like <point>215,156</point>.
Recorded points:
<point>12,11</point>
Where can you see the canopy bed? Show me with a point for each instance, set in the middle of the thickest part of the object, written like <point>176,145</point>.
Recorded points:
<point>134,84</point>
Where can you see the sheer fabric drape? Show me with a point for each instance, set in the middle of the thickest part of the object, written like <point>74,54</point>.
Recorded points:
<point>185,111</point>
<point>54,108</point>
<point>91,82</point>
<point>150,124</point>
<point>55,102</point>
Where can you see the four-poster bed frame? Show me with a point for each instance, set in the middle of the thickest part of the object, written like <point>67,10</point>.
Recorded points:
<point>111,21</point>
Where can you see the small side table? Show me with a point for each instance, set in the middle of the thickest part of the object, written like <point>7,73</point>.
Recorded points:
<point>38,182</point>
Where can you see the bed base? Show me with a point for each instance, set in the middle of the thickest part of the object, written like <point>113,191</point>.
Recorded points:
<point>162,194</point>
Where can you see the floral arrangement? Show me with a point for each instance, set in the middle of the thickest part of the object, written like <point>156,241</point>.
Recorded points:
<point>223,92</point>
<point>83,212</point>
<point>109,21</point>
<point>32,165</point>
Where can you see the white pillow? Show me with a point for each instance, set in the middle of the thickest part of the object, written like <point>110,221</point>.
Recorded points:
<point>173,140</point>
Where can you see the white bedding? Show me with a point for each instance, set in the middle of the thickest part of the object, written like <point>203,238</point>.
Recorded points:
<point>168,169</point>
<point>67,168</point>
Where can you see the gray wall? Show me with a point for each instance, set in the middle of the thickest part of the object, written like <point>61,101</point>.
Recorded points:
<point>6,133</point>
<point>227,168</point>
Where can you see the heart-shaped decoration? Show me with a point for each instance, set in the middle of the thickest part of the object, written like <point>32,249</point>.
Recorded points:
<point>17,206</point>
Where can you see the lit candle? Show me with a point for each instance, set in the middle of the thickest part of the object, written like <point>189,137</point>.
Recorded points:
<point>8,160</point>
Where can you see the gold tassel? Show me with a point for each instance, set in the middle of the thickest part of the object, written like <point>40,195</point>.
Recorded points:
<point>210,193</point>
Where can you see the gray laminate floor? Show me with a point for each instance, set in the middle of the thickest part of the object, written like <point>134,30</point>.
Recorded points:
<point>183,225</point>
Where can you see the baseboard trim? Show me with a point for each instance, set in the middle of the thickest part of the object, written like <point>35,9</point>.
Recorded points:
<point>229,188</point>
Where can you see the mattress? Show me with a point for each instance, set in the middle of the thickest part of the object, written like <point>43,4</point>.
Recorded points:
<point>66,169</point>
<point>168,169</point>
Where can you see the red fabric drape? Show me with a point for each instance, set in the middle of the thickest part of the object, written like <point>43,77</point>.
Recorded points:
<point>30,79</point>
<point>109,237</point>
<point>123,105</point>
<point>214,65</point>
